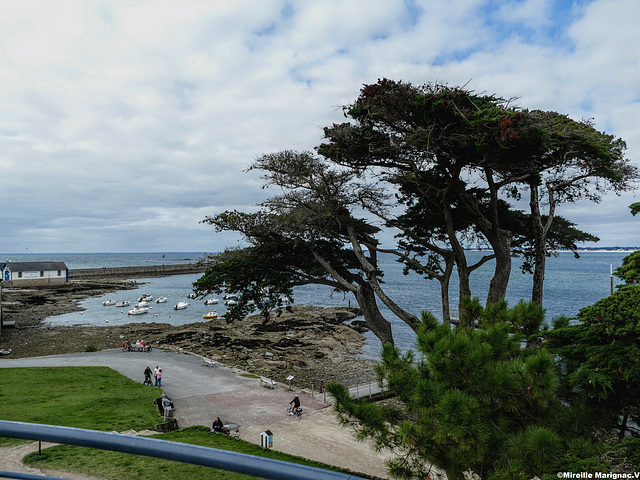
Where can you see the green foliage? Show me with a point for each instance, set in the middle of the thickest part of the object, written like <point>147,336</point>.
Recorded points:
<point>255,274</point>
<point>582,455</point>
<point>635,208</point>
<point>629,271</point>
<point>91,348</point>
<point>601,357</point>
<point>472,401</point>
<point>631,450</point>
<point>525,318</point>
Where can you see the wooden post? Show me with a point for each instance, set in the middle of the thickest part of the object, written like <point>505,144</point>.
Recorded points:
<point>611,279</point>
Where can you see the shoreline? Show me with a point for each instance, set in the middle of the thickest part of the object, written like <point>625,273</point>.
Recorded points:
<point>313,344</point>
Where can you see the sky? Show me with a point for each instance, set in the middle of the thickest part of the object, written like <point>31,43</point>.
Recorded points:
<point>125,123</point>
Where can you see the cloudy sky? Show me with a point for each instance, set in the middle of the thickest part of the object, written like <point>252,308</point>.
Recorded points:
<point>124,123</point>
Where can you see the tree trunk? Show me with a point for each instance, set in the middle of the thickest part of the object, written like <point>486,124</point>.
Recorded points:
<point>444,289</point>
<point>537,292</point>
<point>366,298</point>
<point>380,327</point>
<point>370,271</point>
<point>464,287</point>
<point>540,240</point>
<point>500,281</point>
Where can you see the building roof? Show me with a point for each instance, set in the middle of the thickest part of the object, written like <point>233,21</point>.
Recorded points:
<point>34,266</point>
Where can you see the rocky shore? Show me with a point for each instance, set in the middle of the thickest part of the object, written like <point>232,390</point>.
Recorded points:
<point>313,344</point>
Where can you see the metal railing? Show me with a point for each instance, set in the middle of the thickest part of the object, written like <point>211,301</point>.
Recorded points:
<point>360,384</point>
<point>152,447</point>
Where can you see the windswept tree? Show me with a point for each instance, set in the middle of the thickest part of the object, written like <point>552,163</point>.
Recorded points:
<point>463,154</point>
<point>312,224</point>
<point>560,160</point>
<point>432,142</point>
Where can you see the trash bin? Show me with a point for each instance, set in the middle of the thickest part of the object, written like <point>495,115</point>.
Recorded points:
<point>266,439</point>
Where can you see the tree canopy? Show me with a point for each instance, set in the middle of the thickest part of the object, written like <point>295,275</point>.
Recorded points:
<point>464,154</point>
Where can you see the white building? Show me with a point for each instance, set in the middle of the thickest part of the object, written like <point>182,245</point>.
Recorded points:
<point>16,274</point>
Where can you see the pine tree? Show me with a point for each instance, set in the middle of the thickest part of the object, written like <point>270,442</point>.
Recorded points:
<point>471,400</point>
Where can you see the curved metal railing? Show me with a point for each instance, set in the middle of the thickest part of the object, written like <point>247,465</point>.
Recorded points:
<point>153,447</point>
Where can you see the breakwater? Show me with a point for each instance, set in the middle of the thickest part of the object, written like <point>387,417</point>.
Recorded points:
<point>140,271</point>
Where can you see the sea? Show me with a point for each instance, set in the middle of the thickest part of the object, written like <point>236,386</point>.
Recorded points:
<point>570,284</point>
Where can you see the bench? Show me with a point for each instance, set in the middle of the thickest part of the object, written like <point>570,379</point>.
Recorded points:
<point>208,363</point>
<point>267,382</point>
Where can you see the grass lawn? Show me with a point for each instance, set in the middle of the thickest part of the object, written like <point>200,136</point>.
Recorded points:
<point>98,398</point>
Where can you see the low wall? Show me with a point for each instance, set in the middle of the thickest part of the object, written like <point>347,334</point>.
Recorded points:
<point>34,282</point>
<point>147,270</point>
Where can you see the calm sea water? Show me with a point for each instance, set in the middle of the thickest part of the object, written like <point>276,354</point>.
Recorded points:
<point>570,285</point>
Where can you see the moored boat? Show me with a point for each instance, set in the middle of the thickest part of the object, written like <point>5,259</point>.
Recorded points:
<point>124,303</point>
<point>107,303</point>
<point>181,305</point>
<point>211,301</point>
<point>138,310</point>
<point>210,315</point>
<point>161,300</point>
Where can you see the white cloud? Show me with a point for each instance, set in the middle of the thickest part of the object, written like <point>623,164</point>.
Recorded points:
<point>126,123</point>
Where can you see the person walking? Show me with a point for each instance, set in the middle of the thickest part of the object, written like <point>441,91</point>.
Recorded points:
<point>159,378</point>
<point>147,376</point>
<point>155,375</point>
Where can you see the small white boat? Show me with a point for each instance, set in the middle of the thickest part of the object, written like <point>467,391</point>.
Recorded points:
<point>107,303</point>
<point>145,298</point>
<point>180,305</point>
<point>230,302</point>
<point>161,300</point>
<point>229,296</point>
<point>138,310</point>
<point>142,304</point>
<point>285,300</point>
<point>126,303</point>
<point>212,301</point>
<point>210,315</point>
<point>192,296</point>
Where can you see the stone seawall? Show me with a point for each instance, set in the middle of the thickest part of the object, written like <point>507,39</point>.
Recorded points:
<point>144,271</point>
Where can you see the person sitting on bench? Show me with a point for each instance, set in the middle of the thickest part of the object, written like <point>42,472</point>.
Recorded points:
<point>217,425</point>
<point>166,403</point>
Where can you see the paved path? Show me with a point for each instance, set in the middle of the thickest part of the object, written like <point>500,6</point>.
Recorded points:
<point>201,393</point>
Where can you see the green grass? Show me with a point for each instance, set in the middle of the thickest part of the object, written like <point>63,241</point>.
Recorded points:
<point>98,398</point>
<point>115,465</point>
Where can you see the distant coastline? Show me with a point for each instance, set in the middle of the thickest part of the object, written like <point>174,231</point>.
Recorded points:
<point>579,250</point>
